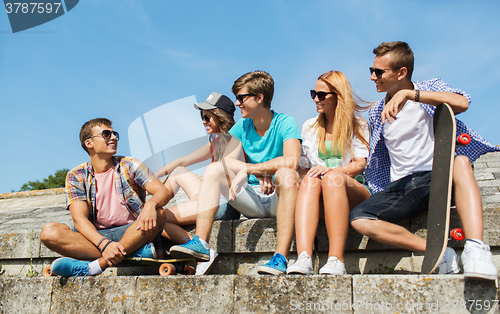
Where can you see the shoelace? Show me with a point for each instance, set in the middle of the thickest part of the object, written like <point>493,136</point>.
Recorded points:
<point>479,252</point>
<point>302,261</point>
<point>80,270</point>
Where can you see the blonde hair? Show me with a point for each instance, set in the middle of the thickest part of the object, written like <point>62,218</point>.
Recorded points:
<point>346,122</point>
<point>226,122</point>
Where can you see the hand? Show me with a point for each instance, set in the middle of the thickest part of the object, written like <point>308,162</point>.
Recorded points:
<point>394,106</point>
<point>317,171</point>
<point>147,220</point>
<point>237,184</point>
<point>114,253</point>
<point>266,184</point>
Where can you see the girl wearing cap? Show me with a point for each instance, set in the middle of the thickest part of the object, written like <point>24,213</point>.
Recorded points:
<point>333,156</point>
<point>217,117</point>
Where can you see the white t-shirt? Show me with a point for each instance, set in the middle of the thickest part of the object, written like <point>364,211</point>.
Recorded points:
<point>410,141</point>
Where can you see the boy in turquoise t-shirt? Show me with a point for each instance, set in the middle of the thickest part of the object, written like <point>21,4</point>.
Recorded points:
<point>263,186</point>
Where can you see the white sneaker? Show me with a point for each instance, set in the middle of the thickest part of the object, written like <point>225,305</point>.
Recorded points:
<point>478,261</point>
<point>302,266</point>
<point>449,263</point>
<point>203,267</point>
<point>333,267</point>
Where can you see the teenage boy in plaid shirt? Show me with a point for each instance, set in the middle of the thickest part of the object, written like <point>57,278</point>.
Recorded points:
<point>106,198</point>
<point>400,163</point>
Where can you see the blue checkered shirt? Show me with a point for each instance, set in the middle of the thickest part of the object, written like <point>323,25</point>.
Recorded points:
<point>378,173</point>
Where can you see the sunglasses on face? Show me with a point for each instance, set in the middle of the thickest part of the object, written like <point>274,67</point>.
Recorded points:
<point>106,134</point>
<point>379,72</point>
<point>241,97</point>
<point>321,95</point>
<point>205,118</point>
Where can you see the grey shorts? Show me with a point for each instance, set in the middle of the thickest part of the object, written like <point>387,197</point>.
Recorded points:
<point>252,203</point>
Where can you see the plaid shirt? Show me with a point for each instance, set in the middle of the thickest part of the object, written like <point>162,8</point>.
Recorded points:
<point>377,171</point>
<point>131,178</point>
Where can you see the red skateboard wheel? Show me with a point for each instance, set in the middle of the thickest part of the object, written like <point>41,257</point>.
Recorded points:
<point>47,272</point>
<point>189,270</point>
<point>167,269</point>
<point>463,139</point>
<point>457,234</point>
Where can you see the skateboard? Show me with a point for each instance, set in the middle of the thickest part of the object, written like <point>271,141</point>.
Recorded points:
<point>166,267</point>
<point>438,217</point>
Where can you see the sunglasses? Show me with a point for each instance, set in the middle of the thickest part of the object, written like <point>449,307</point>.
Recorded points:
<point>378,72</point>
<point>106,134</point>
<point>321,95</point>
<point>241,97</point>
<point>206,118</point>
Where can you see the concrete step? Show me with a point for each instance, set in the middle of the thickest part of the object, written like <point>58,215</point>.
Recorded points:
<point>249,294</point>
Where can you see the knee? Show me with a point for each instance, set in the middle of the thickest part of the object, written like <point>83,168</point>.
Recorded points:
<point>50,232</point>
<point>462,163</point>
<point>286,178</point>
<point>334,179</point>
<point>179,170</point>
<point>162,217</point>
<point>362,226</point>
<point>215,170</point>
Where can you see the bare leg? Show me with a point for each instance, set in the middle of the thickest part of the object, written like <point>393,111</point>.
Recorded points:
<point>181,177</point>
<point>307,213</point>
<point>287,187</point>
<point>59,238</point>
<point>175,233</point>
<point>214,181</point>
<point>183,214</point>
<point>468,198</point>
<point>341,193</point>
<point>389,233</point>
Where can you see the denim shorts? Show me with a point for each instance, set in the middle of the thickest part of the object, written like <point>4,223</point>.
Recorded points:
<point>116,233</point>
<point>400,200</point>
<point>226,211</point>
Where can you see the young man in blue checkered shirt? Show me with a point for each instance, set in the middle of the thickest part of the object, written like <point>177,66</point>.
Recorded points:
<point>400,163</point>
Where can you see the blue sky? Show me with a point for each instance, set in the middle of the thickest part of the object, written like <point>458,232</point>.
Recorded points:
<point>122,58</point>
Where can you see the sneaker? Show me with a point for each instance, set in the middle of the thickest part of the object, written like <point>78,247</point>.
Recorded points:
<point>191,249</point>
<point>204,267</point>
<point>147,251</point>
<point>276,266</point>
<point>478,261</point>
<point>302,266</point>
<point>333,267</point>
<point>449,263</point>
<point>66,267</point>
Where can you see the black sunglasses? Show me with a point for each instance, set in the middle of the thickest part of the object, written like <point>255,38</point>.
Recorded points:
<point>321,95</point>
<point>206,118</point>
<point>378,72</point>
<point>241,97</point>
<point>107,134</point>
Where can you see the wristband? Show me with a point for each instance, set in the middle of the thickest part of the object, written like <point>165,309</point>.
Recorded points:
<point>100,241</point>
<point>106,246</point>
<point>417,95</point>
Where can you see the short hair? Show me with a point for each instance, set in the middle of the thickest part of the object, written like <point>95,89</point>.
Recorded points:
<point>86,130</point>
<point>401,55</point>
<point>256,82</point>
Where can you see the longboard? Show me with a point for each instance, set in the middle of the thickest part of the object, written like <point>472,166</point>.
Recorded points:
<point>438,217</point>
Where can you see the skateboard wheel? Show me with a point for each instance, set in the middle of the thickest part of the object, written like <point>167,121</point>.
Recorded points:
<point>457,234</point>
<point>189,270</point>
<point>47,272</point>
<point>167,269</point>
<point>463,139</point>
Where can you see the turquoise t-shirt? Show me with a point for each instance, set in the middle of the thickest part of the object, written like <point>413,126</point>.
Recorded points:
<point>261,149</point>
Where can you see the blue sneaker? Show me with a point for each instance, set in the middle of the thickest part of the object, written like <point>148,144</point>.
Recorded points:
<point>192,249</point>
<point>276,266</point>
<point>147,251</point>
<point>66,267</point>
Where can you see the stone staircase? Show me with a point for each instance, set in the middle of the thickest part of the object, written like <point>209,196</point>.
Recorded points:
<point>381,279</point>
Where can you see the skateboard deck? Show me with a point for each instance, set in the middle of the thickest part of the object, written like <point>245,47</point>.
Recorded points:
<point>438,217</point>
<point>166,267</point>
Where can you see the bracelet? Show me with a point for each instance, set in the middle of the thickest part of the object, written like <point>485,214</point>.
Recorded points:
<point>106,246</point>
<point>99,243</point>
<point>417,95</point>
